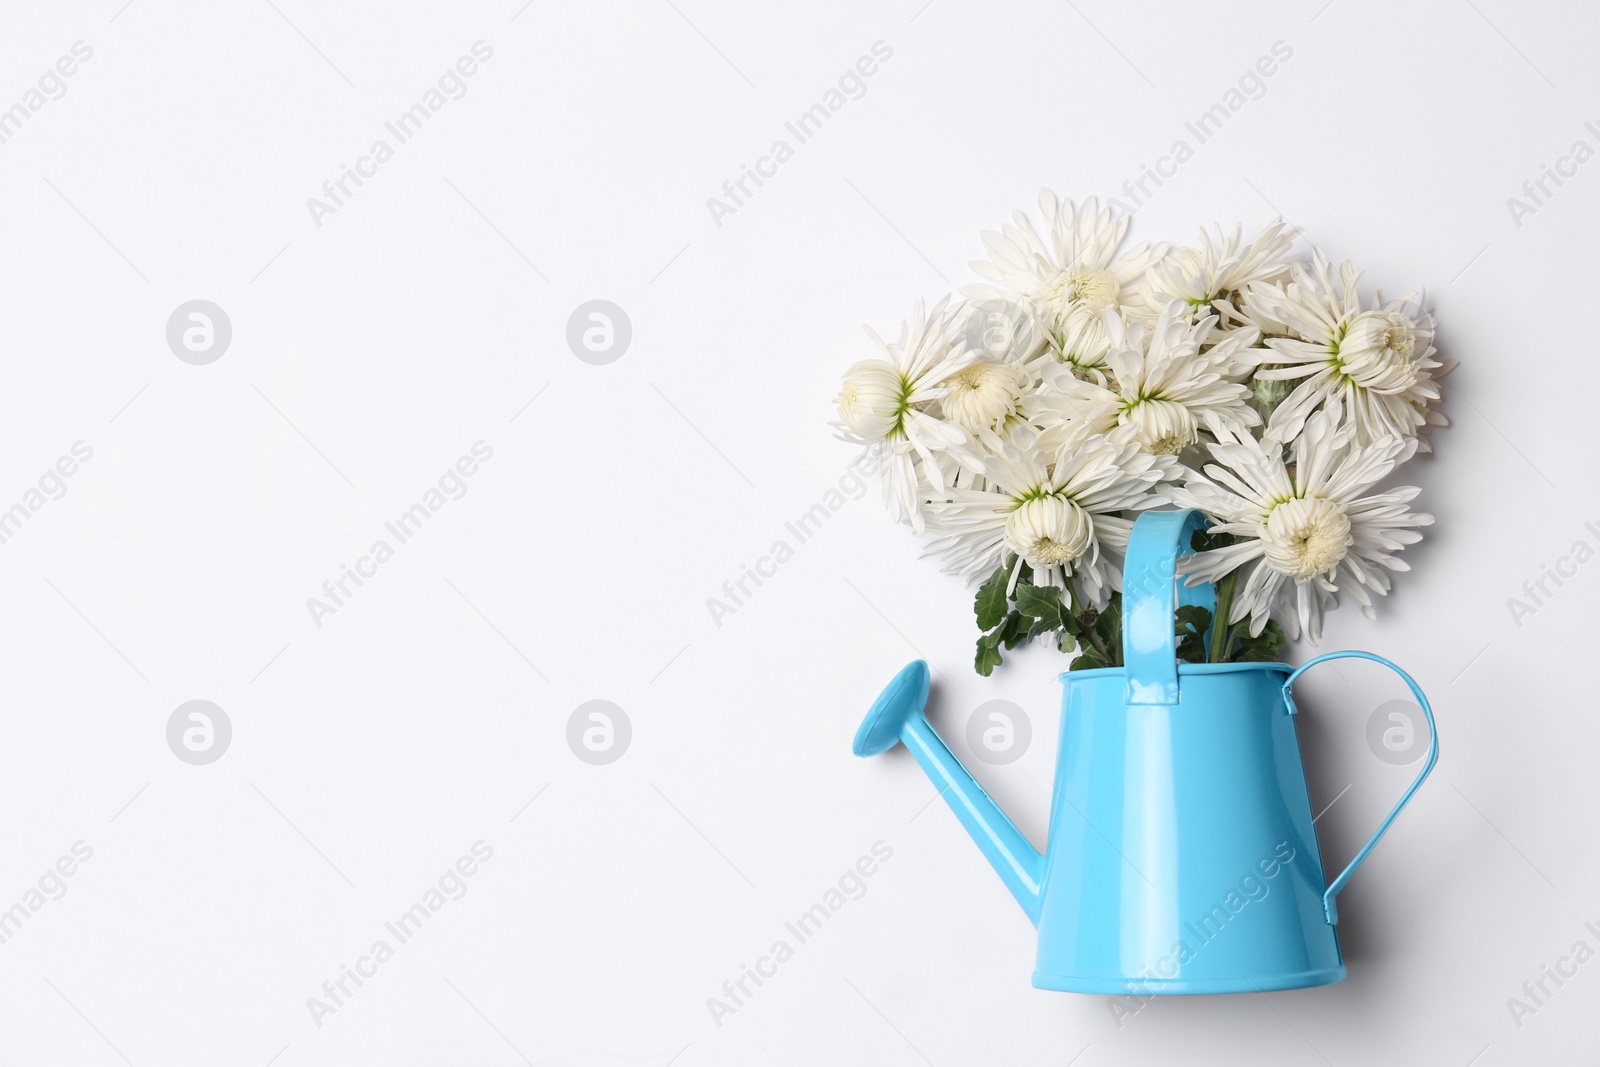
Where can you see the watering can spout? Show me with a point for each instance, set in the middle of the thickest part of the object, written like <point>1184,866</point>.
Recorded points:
<point>897,717</point>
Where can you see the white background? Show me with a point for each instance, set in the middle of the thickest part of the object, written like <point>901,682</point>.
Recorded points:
<point>371,752</point>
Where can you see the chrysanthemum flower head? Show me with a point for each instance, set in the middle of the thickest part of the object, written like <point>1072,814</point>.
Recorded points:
<point>1163,381</point>
<point>1376,362</point>
<point>1068,275</point>
<point>1213,277</point>
<point>884,404</point>
<point>1057,512</point>
<point>1306,528</point>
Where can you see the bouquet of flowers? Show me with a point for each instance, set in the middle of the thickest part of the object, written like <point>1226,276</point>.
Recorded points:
<point>1021,430</point>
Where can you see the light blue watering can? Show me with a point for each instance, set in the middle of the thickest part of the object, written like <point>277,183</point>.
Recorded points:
<point>1182,856</point>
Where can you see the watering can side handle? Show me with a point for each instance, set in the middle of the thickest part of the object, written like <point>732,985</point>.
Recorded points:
<point>1330,910</point>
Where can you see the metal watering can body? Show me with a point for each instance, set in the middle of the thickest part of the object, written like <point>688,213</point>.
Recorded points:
<point>1182,856</point>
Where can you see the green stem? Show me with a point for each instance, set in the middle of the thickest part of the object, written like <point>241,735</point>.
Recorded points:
<point>1099,645</point>
<point>1221,632</point>
<point>1087,632</point>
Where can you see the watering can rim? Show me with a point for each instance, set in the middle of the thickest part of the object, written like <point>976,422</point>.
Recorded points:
<point>1183,668</point>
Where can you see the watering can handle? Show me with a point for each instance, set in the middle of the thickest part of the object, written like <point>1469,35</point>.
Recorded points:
<point>1150,588</point>
<point>1329,910</point>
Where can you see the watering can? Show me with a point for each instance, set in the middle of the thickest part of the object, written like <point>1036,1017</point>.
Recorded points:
<point>1182,856</point>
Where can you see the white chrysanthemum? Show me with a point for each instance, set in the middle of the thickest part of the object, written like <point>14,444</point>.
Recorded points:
<point>1377,363</point>
<point>884,403</point>
<point>1058,512</point>
<point>1068,275</point>
<point>982,397</point>
<point>1081,345</point>
<point>1305,529</point>
<point>1162,383</point>
<point>1214,277</point>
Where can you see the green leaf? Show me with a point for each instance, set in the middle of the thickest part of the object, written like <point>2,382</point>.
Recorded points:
<point>1016,629</point>
<point>1108,626</point>
<point>1041,627</point>
<point>1085,662</point>
<point>1041,602</point>
<point>1267,647</point>
<point>1070,623</point>
<point>1192,622</point>
<point>990,604</point>
<point>988,657</point>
